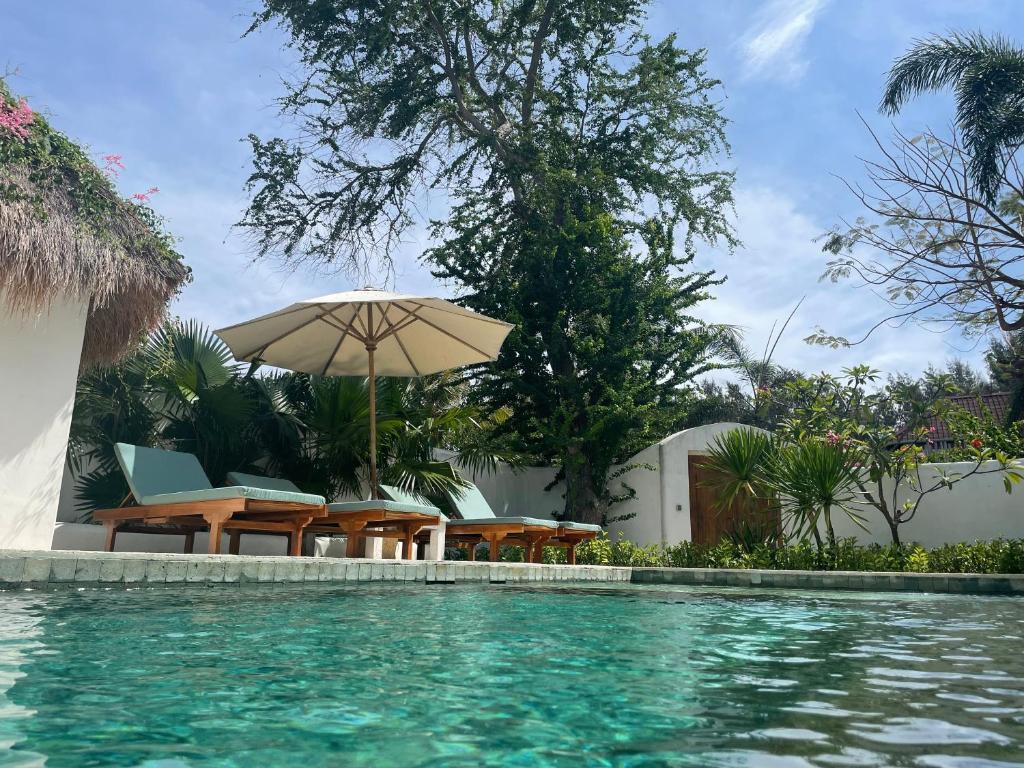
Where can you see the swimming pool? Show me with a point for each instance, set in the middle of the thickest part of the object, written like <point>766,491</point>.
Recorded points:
<point>379,675</point>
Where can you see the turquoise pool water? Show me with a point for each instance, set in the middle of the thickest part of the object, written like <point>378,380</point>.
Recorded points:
<point>319,675</point>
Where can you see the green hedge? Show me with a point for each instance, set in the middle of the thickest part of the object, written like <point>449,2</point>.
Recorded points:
<point>996,556</point>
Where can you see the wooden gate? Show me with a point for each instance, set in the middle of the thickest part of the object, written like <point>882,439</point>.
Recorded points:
<point>709,524</point>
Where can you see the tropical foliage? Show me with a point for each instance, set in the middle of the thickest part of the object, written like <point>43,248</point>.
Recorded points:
<point>183,391</point>
<point>932,247</point>
<point>854,445</point>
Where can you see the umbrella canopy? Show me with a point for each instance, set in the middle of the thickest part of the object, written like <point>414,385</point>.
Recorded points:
<point>369,333</point>
<point>331,335</point>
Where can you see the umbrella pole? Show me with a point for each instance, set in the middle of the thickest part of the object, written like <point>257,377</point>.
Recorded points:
<point>373,424</point>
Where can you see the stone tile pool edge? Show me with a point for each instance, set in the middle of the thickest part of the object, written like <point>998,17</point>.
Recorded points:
<point>39,569</point>
<point>861,581</point>
<point>34,569</point>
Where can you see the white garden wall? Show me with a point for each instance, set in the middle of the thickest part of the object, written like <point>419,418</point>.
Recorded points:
<point>975,508</point>
<point>659,474</point>
<point>40,357</point>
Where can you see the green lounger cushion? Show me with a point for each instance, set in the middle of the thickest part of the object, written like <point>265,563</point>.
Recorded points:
<point>394,493</point>
<point>152,472</point>
<point>475,510</point>
<point>170,477</point>
<point>232,492</point>
<point>281,484</point>
<point>470,503</point>
<point>485,521</point>
<point>279,487</point>
<point>579,526</point>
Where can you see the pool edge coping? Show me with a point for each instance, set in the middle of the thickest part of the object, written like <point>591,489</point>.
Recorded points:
<point>860,581</point>
<point>55,568</point>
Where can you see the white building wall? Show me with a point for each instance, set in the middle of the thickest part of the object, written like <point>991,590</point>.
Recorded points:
<point>40,358</point>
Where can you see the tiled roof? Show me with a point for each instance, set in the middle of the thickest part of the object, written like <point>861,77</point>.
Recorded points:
<point>995,404</point>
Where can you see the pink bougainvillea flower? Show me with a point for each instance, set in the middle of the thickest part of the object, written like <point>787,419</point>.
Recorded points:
<point>17,118</point>
<point>143,197</point>
<point>112,165</point>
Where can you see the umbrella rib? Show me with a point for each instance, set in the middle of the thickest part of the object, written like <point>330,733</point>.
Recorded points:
<point>334,352</point>
<point>366,331</point>
<point>343,326</point>
<point>452,336</point>
<point>401,325</point>
<point>401,346</point>
<point>383,319</point>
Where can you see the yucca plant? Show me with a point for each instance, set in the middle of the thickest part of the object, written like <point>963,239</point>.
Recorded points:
<point>737,460</point>
<point>812,479</point>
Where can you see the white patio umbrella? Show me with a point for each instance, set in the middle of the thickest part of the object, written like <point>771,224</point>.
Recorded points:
<point>369,333</point>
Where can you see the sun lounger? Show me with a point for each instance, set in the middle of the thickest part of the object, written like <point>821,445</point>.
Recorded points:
<point>357,520</point>
<point>174,495</point>
<point>479,524</point>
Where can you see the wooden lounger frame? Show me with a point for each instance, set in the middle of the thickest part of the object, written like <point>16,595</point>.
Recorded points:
<point>373,523</point>
<point>234,516</point>
<point>532,538</point>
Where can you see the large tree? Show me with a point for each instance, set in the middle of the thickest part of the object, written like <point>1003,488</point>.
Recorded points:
<point>571,150</point>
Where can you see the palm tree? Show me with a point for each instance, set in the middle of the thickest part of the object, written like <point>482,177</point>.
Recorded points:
<point>987,74</point>
<point>181,390</point>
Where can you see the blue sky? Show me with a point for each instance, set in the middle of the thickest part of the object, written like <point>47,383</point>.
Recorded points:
<point>173,87</point>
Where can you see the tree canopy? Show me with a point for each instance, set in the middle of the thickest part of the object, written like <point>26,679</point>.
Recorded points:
<point>398,98</point>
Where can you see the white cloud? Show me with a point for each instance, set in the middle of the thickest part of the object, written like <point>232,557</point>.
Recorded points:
<point>780,263</point>
<point>773,46</point>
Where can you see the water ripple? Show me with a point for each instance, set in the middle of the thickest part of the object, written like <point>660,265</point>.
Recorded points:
<point>390,675</point>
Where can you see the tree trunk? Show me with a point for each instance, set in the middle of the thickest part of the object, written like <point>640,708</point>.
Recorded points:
<point>829,530</point>
<point>817,538</point>
<point>582,496</point>
<point>894,530</point>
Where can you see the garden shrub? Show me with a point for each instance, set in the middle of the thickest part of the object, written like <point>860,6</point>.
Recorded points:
<point>995,556</point>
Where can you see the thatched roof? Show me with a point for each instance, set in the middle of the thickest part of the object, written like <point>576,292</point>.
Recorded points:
<point>64,231</point>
